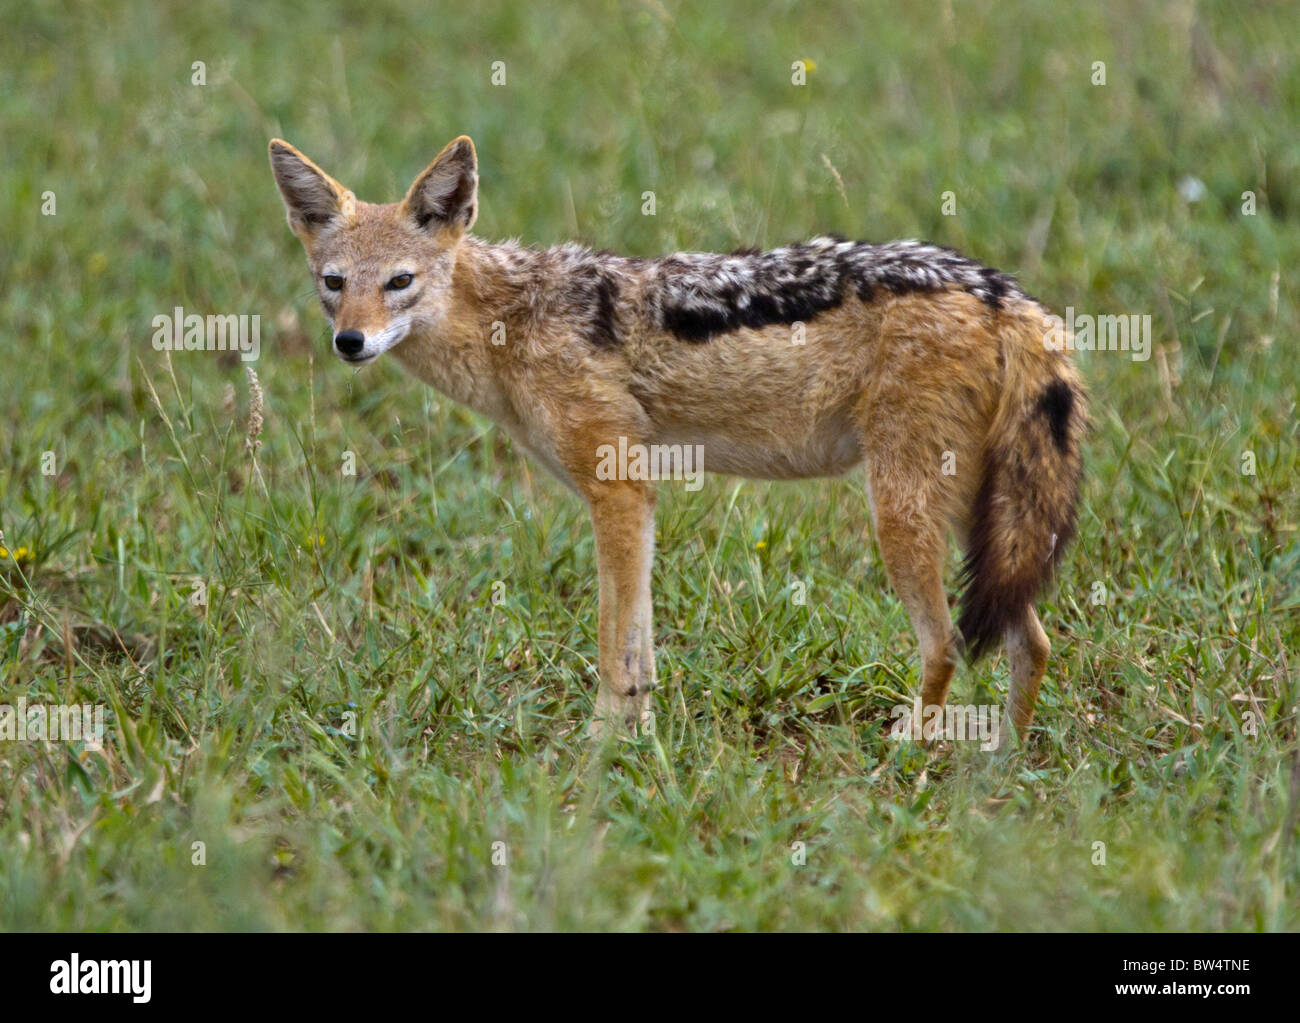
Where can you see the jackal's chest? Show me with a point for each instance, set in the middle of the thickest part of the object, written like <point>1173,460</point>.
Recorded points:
<point>454,373</point>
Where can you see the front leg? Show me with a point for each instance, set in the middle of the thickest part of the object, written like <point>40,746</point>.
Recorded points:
<point>622,515</point>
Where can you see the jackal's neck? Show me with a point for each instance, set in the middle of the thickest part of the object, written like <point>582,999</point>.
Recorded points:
<point>568,291</point>
<point>491,279</point>
<point>504,276</point>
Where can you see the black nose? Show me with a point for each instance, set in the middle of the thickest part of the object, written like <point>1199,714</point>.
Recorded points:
<point>349,342</point>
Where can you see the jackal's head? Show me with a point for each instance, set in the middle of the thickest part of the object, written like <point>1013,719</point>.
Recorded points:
<point>380,271</point>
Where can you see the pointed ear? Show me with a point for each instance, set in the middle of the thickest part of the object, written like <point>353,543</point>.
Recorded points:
<point>311,197</point>
<point>445,196</point>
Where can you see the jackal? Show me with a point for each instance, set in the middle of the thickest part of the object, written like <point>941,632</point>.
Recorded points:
<point>802,361</point>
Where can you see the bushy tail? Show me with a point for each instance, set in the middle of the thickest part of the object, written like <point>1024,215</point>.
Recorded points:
<point>1023,514</point>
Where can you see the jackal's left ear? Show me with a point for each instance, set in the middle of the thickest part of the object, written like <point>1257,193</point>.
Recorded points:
<point>311,197</point>
<point>445,196</point>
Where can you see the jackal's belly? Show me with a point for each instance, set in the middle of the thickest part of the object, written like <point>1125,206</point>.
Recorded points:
<point>828,447</point>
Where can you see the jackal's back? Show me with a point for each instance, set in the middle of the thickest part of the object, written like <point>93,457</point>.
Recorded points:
<point>697,296</point>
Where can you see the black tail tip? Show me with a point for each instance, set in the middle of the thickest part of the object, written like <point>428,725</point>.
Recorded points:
<point>985,619</point>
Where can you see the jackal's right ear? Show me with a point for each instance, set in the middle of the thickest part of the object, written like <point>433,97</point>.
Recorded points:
<point>445,196</point>
<point>312,198</point>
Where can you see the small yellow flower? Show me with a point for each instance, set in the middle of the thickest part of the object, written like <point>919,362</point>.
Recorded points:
<point>810,65</point>
<point>761,545</point>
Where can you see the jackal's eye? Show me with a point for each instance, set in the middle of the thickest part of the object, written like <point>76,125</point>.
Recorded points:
<point>334,282</point>
<point>399,282</point>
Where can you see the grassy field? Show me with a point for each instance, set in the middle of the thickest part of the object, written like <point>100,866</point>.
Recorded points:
<point>392,669</point>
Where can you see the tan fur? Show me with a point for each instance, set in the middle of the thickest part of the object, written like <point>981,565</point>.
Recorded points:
<point>900,382</point>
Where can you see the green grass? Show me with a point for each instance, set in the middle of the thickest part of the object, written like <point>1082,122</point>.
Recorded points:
<point>372,595</point>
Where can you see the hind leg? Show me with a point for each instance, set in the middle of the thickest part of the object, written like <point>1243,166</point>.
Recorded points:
<point>1027,649</point>
<point>924,413</point>
<point>912,548</point>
